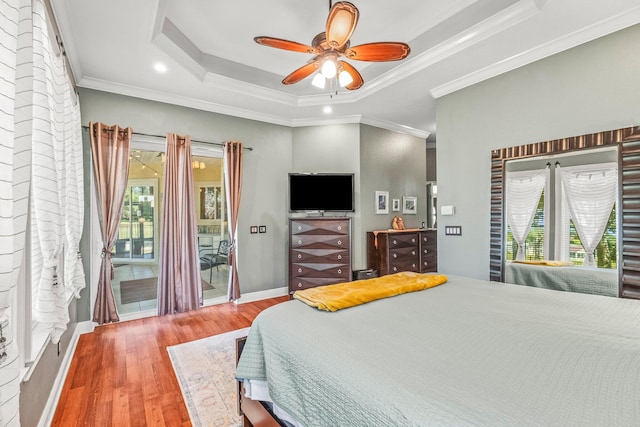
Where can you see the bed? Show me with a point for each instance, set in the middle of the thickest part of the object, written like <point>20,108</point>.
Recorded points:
<point>588,280</point>
<point>468,352</point>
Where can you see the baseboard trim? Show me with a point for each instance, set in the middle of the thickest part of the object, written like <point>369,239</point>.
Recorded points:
<point>56,390</point>
<point>260,295</point>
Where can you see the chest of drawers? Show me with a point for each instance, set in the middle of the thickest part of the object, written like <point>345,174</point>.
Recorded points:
<point>319,252</point>
<point>391,251</point>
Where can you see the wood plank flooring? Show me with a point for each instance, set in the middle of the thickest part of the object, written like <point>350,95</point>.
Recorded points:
<point>121,374</point>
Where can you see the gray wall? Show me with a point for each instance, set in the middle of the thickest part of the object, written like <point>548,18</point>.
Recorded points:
<point>391,162</point>
<point>333,149</point>
<point>590,88</point>
<point>261,257</point>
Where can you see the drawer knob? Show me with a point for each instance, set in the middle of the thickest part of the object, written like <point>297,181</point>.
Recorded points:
<point>413,252</point>
<point>339,227</point>
<point>339,271</point>
<point>299,256</point>
<point>299,285</point>
<point>395,242</point>
<point>299,270</point>
<point>426,263</point>
<point>395,268</point>
<point>339,256</point>
<point>425,239</point>
<point>299,241</point>
<point>299,227</point>
<point>395,255</point>
<point>339,242</point>
<point>413,265</point>
<point>413,240</point>
<point>426,251</point>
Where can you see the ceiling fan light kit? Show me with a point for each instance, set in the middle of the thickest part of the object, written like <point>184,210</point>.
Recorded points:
<point>333,43</point>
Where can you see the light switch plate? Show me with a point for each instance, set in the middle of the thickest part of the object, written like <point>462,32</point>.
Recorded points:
<point>453,230</point>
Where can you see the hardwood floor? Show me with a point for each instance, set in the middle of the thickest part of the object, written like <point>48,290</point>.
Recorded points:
<point>121,374</point>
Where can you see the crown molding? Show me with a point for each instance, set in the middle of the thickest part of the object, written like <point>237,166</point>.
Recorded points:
<point>603,28</point>
<point>495,24</point>
<point>183,101</point>
<point>322,121</point>
<point>198,104</point>
<point>220,82</point>
<point>395,127</point>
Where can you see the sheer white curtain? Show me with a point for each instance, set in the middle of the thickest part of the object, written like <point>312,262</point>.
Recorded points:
<point>590,192</point>
<point>55,207</point>
<point>13,209</point>
<point>523,190</point>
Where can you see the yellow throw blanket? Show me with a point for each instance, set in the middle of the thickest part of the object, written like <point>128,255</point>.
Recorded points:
<point>546,262</point>
<point>349,294</point>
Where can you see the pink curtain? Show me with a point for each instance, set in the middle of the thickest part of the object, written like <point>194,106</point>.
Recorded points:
<point>179,283</point>
<point>110,147</point>
<point>233,182</point>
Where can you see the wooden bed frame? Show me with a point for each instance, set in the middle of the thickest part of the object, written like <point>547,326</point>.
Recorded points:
<point>254,413</point>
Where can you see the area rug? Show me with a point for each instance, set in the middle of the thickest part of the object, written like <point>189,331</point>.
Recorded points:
<point>206,372</point>
<point>144,289</point>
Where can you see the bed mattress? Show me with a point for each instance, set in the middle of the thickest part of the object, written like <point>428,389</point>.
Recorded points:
<point>465,353</point>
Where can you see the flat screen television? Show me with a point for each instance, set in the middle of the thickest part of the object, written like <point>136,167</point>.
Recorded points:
<point>323,192</point>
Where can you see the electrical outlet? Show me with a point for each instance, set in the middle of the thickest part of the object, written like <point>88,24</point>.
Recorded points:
<point>263,229</point>
<point>253,229</point>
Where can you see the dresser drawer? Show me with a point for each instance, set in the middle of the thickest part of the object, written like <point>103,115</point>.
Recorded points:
<point>317,270</point>
<point>300,283</point>
<point>319,241</point>
<point>403,240</point>
<point>404,265</point>
<point>330,227</point>
<point>326,256</point>
<point>427,251</point>
<point>402,253</point>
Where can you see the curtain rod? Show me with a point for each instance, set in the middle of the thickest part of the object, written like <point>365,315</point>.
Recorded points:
<point>161,136</point>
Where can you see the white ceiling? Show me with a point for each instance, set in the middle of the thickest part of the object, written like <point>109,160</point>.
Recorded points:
<point>214,64</point>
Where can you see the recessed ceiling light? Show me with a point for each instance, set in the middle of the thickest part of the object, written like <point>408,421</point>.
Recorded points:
<point>160,67</point>
<point>327,109</point>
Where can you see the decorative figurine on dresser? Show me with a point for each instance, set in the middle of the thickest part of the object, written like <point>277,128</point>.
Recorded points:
<point>392,251</point>
<point>319,252</point>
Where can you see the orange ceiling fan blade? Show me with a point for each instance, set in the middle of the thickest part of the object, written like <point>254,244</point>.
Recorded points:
<point>358,81</point>
<point>301,73</point>
<point>379,52</point>
<point>285,44</point>
<point>341,22</point>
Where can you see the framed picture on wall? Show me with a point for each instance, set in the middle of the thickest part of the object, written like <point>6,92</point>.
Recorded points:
<point>395,205</point>
<point>409,205</point>
<point>382,202</point>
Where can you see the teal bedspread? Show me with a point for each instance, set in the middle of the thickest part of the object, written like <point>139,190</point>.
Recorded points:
<point>586,280</point>
<point>468,352</point>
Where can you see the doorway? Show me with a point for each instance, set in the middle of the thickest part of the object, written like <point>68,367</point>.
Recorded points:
<point>136,252</point>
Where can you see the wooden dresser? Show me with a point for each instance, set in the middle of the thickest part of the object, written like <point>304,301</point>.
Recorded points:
<point>319,252</point>
<point>391,251</point>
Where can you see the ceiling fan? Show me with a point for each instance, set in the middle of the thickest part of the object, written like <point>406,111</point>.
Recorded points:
<point>334,43</point>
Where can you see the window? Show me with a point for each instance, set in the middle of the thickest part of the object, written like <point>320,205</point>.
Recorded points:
<point>573,218</point>
<point>586,215</point>
<point>534,245</point>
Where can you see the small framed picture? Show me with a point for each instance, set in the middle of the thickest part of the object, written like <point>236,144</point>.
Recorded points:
<point>382,202</point>
<point>395,205</point>
<point>409,205</point>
